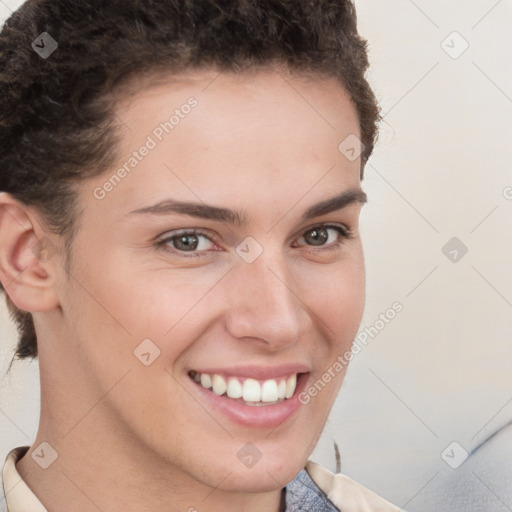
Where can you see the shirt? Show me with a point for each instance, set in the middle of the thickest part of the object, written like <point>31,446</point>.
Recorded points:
<point>314,489</point>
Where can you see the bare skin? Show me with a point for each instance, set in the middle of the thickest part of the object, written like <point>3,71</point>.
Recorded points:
<point>142,436</point>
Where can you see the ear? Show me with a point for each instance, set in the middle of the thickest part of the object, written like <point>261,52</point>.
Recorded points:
<point>28,257</point>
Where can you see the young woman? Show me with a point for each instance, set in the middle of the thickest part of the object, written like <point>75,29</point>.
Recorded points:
<point>180,193</point>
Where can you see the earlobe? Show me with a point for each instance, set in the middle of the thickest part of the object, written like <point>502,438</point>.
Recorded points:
<point>28,258</point>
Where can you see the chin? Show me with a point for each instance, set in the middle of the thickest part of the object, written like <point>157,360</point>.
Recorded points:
<point>261,479</point>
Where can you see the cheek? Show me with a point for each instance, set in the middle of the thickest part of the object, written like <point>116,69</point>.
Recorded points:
<point>171,301</point>
<point>148,296</point>
<point>175,304</point>
<point>347,301</point>
<point>336,294</point>
<point>338,304</point>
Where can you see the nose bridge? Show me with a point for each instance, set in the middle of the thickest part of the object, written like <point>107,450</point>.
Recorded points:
<point>262,302</point>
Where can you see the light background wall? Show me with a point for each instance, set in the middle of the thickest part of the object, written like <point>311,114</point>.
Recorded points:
<point>440,371</point>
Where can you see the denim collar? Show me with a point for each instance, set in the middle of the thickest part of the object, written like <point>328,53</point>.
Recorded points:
<point>302,494</point>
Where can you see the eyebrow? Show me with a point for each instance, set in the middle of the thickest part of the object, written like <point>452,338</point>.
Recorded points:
<point>238,218</point>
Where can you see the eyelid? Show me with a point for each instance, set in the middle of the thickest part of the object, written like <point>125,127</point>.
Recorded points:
<point>187,231</point>
<point>324,224</point>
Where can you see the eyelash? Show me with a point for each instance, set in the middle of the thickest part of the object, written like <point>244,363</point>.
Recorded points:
<point>344,232</point>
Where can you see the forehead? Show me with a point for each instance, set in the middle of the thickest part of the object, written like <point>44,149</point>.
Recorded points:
<point>212,135</point>
<point>313,96</point>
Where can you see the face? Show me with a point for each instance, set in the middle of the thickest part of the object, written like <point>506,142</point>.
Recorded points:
<point>242,286</point>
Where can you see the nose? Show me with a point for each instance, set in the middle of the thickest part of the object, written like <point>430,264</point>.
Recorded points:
<point>262,303</point>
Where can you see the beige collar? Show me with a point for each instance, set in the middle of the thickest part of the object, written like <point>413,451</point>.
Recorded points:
<point>18,495</point>
<point>345,493</point>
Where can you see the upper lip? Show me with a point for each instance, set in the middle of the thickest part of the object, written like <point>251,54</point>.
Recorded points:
<point>256,372</point>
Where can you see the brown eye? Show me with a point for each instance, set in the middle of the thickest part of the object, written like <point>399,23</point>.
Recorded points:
<point>186,242</point>
<point>194,242</point>
<point>319,235</point>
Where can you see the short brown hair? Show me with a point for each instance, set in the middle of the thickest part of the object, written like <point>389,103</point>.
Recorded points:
<point>57,125</point>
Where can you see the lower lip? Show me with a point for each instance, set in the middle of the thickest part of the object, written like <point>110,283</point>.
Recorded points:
<point>265,416</point>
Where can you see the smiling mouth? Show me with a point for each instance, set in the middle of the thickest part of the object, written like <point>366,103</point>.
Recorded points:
<point>252,392</point>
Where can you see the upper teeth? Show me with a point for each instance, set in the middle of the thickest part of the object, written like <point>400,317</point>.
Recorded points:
<point>250,390</point>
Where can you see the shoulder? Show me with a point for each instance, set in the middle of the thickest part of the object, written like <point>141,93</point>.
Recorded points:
<point>481,481</point>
